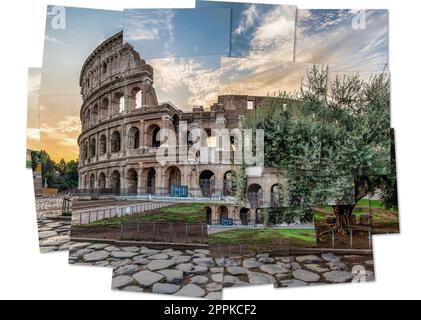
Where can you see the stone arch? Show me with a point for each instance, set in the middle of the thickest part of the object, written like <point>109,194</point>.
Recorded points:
<point>86,181</point>
<point>245,216</point>
<point>275,196</point>
<point>223,213</point>
<point>102,145</point>
<point>102,181</point>
<point>88,118</point>
<point>229,183</point>
<point>208,140</point>
<point>137,97</point>
<point>173,177</point>
<point>132,181</point>
<point>154,136</point>
<point>115,142</point>
<point>104,68</point>
<point>103,110</point>
<point>208,215</point>
<point>92,150</point>
<point>207,183</point>
<point>118,103</point>
<point>92,181</point>
<point>95,114</point>
<point>255,195</point>
<point>149,178</point>
<point>85,151</point>
<point>115,182</point>
<point>133,138</point>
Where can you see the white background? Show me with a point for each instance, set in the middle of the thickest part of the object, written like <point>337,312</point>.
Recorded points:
<point>26,274</point>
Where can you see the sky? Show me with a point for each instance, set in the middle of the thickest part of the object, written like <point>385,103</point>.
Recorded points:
<point>169,33</point>
<point>65,51</point>
<point>260,77</point>
<point>187,81</point>
<point>259,30</point>
<point>345,40</point>
<point>256,30</point>
<point>32,131</point>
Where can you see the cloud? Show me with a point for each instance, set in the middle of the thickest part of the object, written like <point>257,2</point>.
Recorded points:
<point>189,79</point>
<point>327,36</point>
<point>51,39</point>
<point>141,26</point>
<point>34,82</point>
<point>260,77</point>
<point>64,133</point>
<point>248,18</point>
<point>267,33</point>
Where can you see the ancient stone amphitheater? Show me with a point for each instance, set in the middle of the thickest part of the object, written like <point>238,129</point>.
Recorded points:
<point>122,122</point>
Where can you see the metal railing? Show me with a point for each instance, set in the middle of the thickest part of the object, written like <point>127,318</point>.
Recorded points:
<point>167,232</point>
<point>88,216</point>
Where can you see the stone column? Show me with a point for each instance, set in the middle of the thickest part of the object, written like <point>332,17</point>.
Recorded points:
<point>142,135</point>
<point>159,180</point>
<point>110,106</point>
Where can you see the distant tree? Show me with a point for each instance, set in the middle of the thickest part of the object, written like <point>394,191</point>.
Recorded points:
<point>62,176</point>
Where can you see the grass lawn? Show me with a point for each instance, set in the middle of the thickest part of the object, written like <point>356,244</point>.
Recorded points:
<point>188,213</point>
<point>297,237</point>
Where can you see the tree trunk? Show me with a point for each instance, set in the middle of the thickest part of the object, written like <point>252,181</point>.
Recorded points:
<point>343,217</point>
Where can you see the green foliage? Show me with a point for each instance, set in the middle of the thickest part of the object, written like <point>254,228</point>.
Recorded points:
<point>62,176</point>
<point>241,185</point>
<point>336,147</point>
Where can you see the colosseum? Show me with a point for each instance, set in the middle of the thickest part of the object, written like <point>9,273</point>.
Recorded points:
<point>121,134</point>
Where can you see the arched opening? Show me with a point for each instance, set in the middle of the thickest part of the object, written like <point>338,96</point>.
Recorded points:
<point>93,148</point>
<point>255,195</point>
<point>86,180</point>
<point>274,196</point>
<point>118,103</point>
<point>229,183</point>
<point>208,215</point>
<point>95,114</point>
<point>207,183</point>
<point>102,181</point>
<point>260,217</point>
<point>104,68</point>
<point>92,182</point>
<point>115,142</point>
<point>132,181</point>
<point>115,182</point>
<point>133,139</point>
<point>88,119</point>
<point>151,181</point>
<point>174,178</point>
<point>154,133</point>
<point>122,105</point>
<point>85,151</point>
<point>103,111</point>
<point>245,216</point>
<point>210,140</point>
<point>137,96</point>
<point>223,214</point>
<point>102,145</point>
<point>190,141</point>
